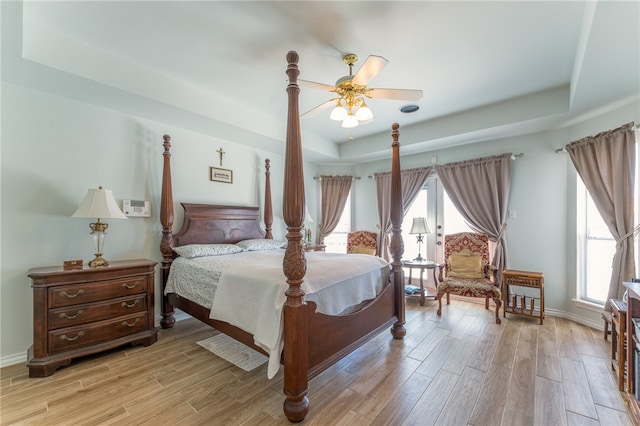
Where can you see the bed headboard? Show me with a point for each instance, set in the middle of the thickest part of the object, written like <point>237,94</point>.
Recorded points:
<point>205,224</point>
<point>211,224</point>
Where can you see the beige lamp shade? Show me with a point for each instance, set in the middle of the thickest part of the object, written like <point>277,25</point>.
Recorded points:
<point>420,226</point>
<point>99,203</point>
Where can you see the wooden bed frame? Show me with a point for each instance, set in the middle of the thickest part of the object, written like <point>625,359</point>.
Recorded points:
<point>312,341</point>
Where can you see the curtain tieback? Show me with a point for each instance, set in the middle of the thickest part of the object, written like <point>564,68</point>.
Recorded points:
<point>504,228</point>
<point>631,233</point>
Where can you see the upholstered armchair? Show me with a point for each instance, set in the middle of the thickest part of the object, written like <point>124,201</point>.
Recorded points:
<point>467,271</point>
<point>364,242</point>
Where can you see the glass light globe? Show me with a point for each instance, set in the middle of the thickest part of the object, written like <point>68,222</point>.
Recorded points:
<point>364,113</point>
<point>338,113</point>
<point>350,122</point>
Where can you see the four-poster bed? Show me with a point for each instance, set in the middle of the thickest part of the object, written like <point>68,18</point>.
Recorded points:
<point>312,341</point>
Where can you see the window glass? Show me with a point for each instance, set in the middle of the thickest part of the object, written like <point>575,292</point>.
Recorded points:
<point>596,248</point>
<point>337,241</point>
<point>417,209</point>
<point>453,220</point>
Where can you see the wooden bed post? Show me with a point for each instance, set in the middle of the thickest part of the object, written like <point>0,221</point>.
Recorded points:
<point>166,244</point>
<point>397,245</point>
<point>268,208</point>
<point>296,343</point>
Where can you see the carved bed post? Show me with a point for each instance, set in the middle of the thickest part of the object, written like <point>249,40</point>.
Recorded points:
<point>166,244</point>
<point>268,208</point>
<point>397,245</point>
<point>296,343</point>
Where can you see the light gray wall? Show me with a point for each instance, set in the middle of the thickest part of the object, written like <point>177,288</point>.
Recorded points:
<point>54,149</point>
<point>543,195</point>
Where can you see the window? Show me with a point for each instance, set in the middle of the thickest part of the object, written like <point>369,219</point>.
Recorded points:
<point>595,244</point>
<point>454,222</point>
<point>337,241</point>
<point>417,209</point>
<point>596,248</point>
<point>442,216</point>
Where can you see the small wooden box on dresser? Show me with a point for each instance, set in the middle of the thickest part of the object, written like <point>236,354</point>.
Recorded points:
<point>85,311</point>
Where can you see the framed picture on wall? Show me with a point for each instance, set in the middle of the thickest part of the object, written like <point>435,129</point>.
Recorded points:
<point>221,175</point>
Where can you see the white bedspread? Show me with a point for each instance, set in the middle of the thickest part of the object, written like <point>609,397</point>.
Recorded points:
<point>251,285</point>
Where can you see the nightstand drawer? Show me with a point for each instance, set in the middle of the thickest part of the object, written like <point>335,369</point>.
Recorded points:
<point>81,314</point>
<point>76,294</point>
<point>102,331</point>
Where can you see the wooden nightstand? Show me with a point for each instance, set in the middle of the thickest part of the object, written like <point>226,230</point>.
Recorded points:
<point>314,247</point>
<point>85,311</point>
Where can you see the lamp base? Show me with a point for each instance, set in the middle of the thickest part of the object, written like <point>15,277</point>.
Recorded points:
<point>419,258</point>
<point>98,262</point>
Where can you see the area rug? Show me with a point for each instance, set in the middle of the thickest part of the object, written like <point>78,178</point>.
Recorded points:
<point>233,351</point>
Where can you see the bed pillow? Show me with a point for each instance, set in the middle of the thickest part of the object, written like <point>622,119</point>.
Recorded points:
<point>363,250</point>
<point>465,266</point>
<point>192,251</point>
<point>261,244</point>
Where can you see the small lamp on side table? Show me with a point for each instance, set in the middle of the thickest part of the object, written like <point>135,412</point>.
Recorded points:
<point>99,203</point>
<point>307,232</point>
<point>419,227</point>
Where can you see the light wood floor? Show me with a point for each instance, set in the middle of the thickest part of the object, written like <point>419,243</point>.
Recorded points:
<point>461,369</point>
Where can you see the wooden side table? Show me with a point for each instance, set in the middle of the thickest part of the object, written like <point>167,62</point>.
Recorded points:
<point>427,264</point>
<point>521,304</point>
<point>618,339</point>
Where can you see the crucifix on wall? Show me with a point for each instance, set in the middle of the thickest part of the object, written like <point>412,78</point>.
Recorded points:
<point>220,153</point>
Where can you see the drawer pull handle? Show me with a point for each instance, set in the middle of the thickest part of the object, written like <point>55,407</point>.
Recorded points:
<point>70,317</point>
<point>130,305</point>
<point>71,339</point>
<point>71,296</point>
<point>126,324</point>
<point>130,287</point>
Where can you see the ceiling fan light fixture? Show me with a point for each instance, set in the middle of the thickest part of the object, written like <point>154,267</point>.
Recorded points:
<point>364,113</point>
<point>339,113</point>
<point>350,122</point>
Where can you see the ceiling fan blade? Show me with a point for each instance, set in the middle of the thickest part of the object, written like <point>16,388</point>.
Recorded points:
<point>315,85</point>
<point>397,94</point>
<point>371,67</point>
<point>319,108</point>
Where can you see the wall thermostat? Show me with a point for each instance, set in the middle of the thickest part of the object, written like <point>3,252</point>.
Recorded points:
<point>136,208</point>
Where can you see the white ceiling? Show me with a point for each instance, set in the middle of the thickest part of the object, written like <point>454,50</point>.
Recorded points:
<point>487,69</point>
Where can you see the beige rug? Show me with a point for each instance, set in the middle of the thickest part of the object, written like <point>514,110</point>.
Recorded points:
<point>233,351</point>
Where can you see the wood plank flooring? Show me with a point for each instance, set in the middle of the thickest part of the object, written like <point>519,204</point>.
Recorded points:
<point>458,369</point>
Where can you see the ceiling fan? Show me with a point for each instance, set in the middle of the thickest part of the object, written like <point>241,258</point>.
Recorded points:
<point>350,106</point>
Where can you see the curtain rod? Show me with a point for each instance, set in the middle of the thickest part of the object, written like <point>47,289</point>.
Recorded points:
<point>352,178</point>
<point>563,149</point>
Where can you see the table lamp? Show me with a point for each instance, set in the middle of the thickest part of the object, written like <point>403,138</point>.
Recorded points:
<point>99,203</point>
<point>419,227</point>
<point>307,219</point>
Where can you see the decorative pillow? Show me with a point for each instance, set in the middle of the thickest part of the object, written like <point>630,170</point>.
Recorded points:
<point>465,266</point>
<point>191,251</point>
<point>363,250</point>
<point>261,244</point>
